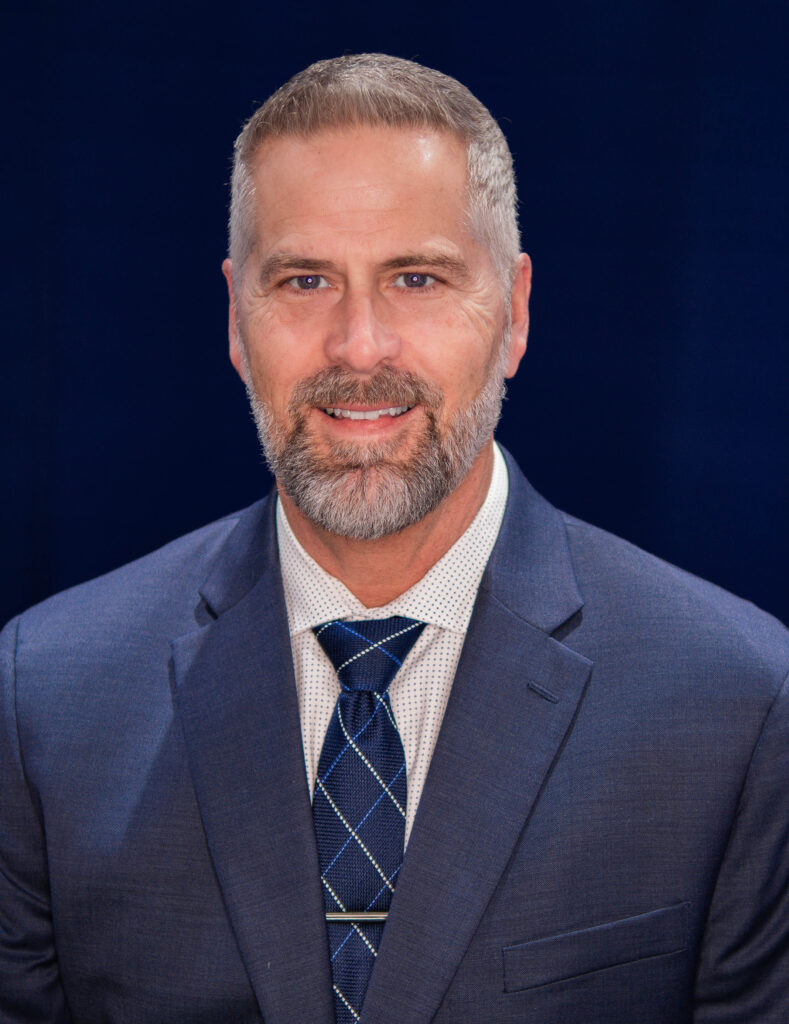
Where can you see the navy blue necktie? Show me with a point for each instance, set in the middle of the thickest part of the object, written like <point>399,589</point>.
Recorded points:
<point>360,798</point>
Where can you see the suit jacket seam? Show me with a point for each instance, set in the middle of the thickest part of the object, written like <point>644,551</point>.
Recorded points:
<point>756,748</point>
<point>737,811</point>
<point>15,704</point>
<point>19,754</point>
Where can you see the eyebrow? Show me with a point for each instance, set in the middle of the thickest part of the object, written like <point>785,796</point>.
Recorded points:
<point>281,262</point>
<point>434,261</point>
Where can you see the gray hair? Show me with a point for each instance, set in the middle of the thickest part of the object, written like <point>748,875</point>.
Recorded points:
<point>378,90</point>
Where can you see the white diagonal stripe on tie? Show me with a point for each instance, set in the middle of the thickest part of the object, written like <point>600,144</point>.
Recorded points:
<point>333,894</point>
<point>355,1014</point>
<point>365,940</point>
<point>387,709</point>
<point>355,927</point>
<point>378,643</point>
<point>366,762</point>
<point>339,814</point>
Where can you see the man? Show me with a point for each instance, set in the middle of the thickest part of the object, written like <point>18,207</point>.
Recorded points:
<point>566,800</point>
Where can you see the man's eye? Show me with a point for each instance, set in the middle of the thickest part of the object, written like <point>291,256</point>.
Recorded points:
<point>414,280</point>
<point>308,282</point>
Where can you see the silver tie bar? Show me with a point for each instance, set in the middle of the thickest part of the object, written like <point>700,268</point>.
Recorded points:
<point>362,916</point>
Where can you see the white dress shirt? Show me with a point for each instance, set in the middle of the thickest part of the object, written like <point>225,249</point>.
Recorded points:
<point>444,599</point>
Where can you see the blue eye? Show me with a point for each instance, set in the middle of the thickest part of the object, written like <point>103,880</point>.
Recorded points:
<point>308,282</point>
<point>412,280</point>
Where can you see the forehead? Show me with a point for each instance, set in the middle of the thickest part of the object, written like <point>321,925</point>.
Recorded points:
<point>369,183</point>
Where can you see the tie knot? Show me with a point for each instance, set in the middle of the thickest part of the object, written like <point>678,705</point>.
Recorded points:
<point>367,654</point>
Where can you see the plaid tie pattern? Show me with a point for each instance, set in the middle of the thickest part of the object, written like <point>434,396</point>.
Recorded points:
<point>360,795</point>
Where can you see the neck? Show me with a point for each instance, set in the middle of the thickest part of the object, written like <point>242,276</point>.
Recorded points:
<point>378,571</point>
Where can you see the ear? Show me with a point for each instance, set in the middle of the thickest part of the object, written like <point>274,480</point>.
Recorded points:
<point>519,299</point>
<point>232,321</point>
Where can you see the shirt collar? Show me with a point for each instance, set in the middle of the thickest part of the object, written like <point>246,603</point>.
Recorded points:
<point>313,596</point>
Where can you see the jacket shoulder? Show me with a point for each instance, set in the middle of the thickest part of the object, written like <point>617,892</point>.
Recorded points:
<point>670,613</point>
<point>160,589</point>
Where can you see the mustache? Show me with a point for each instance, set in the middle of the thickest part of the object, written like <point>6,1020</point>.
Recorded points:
<point>335,385</point>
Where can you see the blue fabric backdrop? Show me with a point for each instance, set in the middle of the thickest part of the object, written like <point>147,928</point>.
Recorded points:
<point>652,148</point>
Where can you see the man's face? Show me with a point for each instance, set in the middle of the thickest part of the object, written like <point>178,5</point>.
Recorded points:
<point>369,325</point>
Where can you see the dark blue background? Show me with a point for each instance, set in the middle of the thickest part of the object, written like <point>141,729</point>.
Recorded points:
<point>652,147</point>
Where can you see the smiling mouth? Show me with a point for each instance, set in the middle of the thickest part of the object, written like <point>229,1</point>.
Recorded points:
<point>367,414</point>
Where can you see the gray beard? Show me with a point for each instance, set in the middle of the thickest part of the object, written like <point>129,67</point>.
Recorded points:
<point>366,491</point>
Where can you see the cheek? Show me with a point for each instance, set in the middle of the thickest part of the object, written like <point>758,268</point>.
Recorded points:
<point>458,353</point>
<point>476,320</point>
<point>278,358</point>
<point>485,321</point>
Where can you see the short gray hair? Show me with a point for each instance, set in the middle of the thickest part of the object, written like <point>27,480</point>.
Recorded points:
<point>378,90</point>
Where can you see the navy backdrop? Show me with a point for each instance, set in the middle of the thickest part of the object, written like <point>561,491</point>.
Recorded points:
<point>652,147</point>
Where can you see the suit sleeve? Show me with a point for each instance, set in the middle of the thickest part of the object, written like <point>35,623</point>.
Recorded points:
<point>743,975</point>
<point>30,987</point>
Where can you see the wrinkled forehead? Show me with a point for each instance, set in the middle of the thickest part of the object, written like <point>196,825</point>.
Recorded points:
<point>361,181</point>
<point>360,151</point>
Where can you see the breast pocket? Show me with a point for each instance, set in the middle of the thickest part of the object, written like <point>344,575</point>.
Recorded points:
<point>572,954</point>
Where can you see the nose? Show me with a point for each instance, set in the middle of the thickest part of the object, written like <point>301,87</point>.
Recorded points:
<point>359,338</point>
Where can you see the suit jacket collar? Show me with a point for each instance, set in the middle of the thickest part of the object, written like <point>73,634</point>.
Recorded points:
<point>531,570</point>
<point>248,556</point>
<point>513,701</point>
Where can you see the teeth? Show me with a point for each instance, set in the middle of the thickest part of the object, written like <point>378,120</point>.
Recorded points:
<point>373,414</point>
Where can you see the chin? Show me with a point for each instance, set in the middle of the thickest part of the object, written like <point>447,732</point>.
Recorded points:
<point>364,502</point>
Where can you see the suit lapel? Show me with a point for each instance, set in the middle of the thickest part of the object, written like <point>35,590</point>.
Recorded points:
<point>235,696</point>
<point>514,699</point>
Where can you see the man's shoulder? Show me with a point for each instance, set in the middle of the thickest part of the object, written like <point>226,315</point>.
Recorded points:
<point>628,610</point>
<point>631,595</point>
<point>162,587</point>
<point>623,571</point>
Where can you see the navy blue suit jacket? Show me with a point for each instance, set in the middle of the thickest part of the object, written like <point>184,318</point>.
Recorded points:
<point>603,837</point>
